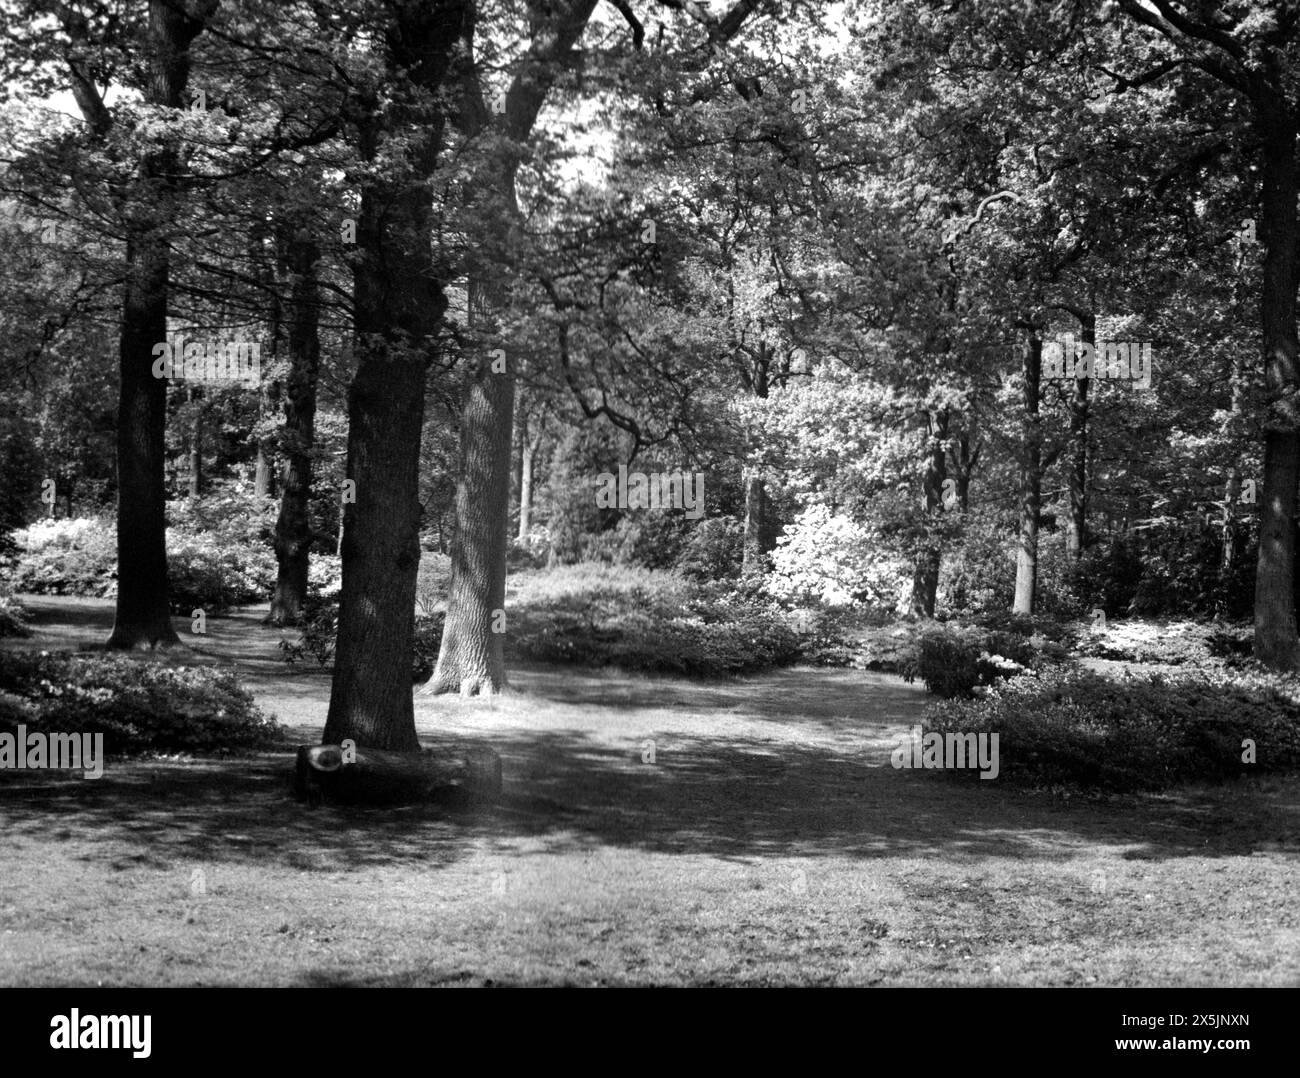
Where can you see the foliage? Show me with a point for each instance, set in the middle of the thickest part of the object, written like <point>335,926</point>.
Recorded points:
<point>204,570</point>
<point>646,620</point>
<point>317,631</point>
<point>213,569</point>
<point>953,660</point>
<point>1078,728</point>
<point>18,472</point>
<point>826,558</point>
<point>138,706</point>
<point>1176,643</point>
<point>67,556</point>
<point>13,616</point>
<point>317,636</point>
<point>432,580</point>
<point>713,551</point>
<point>977,574</point>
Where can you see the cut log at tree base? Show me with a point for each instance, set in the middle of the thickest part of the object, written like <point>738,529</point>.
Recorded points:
<point>460,776</point>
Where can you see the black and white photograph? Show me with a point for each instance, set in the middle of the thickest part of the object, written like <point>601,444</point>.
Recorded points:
<point>649,494</point>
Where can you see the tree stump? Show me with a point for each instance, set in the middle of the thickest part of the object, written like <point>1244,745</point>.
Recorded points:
<point>453,775</point>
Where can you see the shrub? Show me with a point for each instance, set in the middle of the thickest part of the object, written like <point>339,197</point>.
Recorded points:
<point>432,581</point>
<point>68,556</point>
<point>713,551</point>
<point>427,641</point>
<point>229,511</point>
<point>318,636</point>
<point>213,569</point>
<point>317,631</point>
<point>826,637</point>
<point>138,706</point>
<point>325,574</point>
<point>956,660</point>
<point>19,472</point>
<point>1176,643</point>
<point>827,559</point>
<point>977,573</point>
<point>890,647</point>
<point>1078,728</point>
<point>13,617</point>
<point>648,621</point>
<point>206,570</point>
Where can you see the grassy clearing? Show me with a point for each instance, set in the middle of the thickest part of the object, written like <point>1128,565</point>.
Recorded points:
<point>769,843</point>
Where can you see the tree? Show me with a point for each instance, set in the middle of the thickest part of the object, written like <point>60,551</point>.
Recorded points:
<point>143,618</point>
<point>399,118</point>
<point>1247,47</point>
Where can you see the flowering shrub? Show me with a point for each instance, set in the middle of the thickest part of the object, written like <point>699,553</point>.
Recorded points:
<point>13,615</point>
<point>138,706</point>
<point>959,660</point>
<point>213,569</point>
<point>68,556</point>
<point>828,559</point>
<point>204,570</point>
<point>656,624</point>
<point>1077,728</point>
<point>325,574</point>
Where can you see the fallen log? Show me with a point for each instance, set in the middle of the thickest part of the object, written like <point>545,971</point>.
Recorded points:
<point>454,775</point>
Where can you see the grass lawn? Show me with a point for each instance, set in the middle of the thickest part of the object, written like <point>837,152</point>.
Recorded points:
<point>769,842</point>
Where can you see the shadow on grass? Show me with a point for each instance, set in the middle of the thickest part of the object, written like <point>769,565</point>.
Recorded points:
<point>733,799</point>
<point>822,787</point>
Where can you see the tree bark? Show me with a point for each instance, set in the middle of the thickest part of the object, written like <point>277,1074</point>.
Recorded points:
<point>1276,643</point>
<point>142,618</point>
<point>262,473</point>
<point>398,304</point>
<point>1031,481</point>
<point>470,659</point>
<point>1076,528</point>
<point>471,656</point>
<point>293,531</point>
<point>925,571</point>
<point>756,501</point>
<point>526,453</point>
<point>196,444</point>
<point>756,513</point>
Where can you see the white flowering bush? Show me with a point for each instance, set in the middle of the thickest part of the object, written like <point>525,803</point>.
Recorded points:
<point>828,558</point>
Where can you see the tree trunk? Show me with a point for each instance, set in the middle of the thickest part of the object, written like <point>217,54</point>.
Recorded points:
<point>1230,541</point>
<point>1031,480</point>
<point>262,473</point>
<point>755,518</point>
<point>1276,644</point>
<point>142,618</point>
<point>196,445</point>
<point>398,304</point>
<point>261,236</point>
<point>471,656</point>
<point>293,532</point>
<point>1076,529</point>
<point>756,501</point>
<point>925,572</point>
<point>526,453</point>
